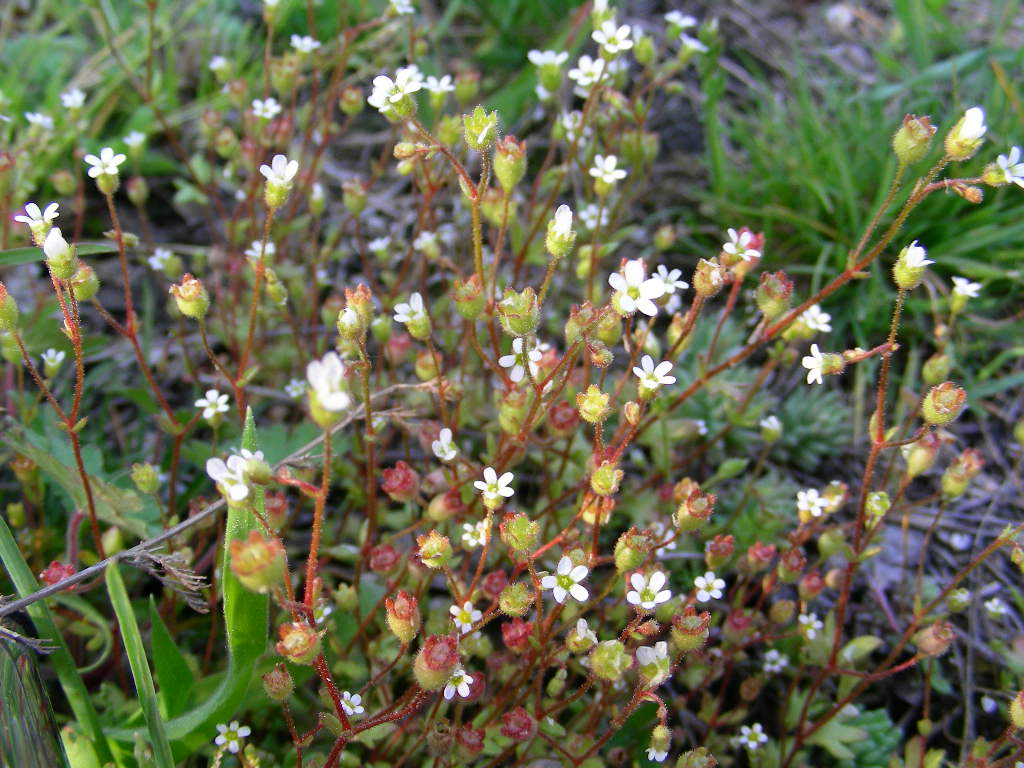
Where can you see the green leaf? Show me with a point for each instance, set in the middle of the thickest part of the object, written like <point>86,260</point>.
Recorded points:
<point>139,664</point>
<point>60,659</point>
<point>172,671</point>
<point>835,735</point>
<point>14,256</point>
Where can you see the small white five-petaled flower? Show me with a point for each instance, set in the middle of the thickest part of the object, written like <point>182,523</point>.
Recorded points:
<point>442,85</point>
<point>443,447</point>
<point>634,290</point>
<point>412,311</point>
<point>352,703</point>
<point>670,279</point>
<point>231,736</point>
<point>213,404</point>
<point>753,736</point>
<point>964,287</point>
<point>459,683</point>
<point>280,171</point>
<point>266,109</point>
<point>106,164</point>
<point>774,661</point>
<point>612,39</point>
<point>465,616</point>
<point>813,363</point>
<point>518,360</point>
<point>1012,167</point>
<point>566,581</point>
<point>709,587</point>
<point>811,501</point>
<point>817,320</point>
<point>739,245</point>
<point>652,376</point>
<point>494,488</point>
<point>473,534</point>
<point>326,378</point>
<point>916,256</point>
<point>304,43</point>
<point>647,592</point>
<point>810,625</point>
<point>605,169</point>
<point>656,755</point>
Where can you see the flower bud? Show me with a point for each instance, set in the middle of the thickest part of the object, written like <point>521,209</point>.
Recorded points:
<point>299,643</point>
<point>934,640</point>
<point>654,664</point>
<point>660,739</point>
<point>912,140</point>
<point>426,365</point>
<point>469,297</point>
<point>560,234</point>
<point>960,472</point>
<point>445,505</point>
<point>191,297</point>
<point>436,661</point>
<point>510,162</point>
<point>145,478</point>
<point>708,278</point>
<point>909,267</point>
<point>401,483</point>
<point>8,310</point>
<point>351,101</point>
<point>519,312</point>
<point>516,635</point>
<point>435,550</point>
<point>810,586</point>
<point>719,551</point>
<point>480,129</point>
<point>758,557</point>
<point>936,368</point>
<point>943,403</point>
<point>791,565</point>
<point>695,507</point>
<point>516,599</point>
<point>605,479</point>
<point>278,683</point>
<point>60,257</point>
<point>593,405</point>
<point>782,612</point>
<point>697,758</point>
<point>518,725</point>
<point>958,600</point>
<point>774,294</point>
<point>609,660</point>
<point>631,550</point>
<point>469,743</point>
<point>353,195</point>
<point>691,629</point>
<point>877,503</point>
<point>562,419</point>
<point>921,454</point>
<point>403,616</point>
<point>467,85</point>
<point>63,183</point>
<point>519,533</point>
<point>258,562</point>
<point>966,136</point>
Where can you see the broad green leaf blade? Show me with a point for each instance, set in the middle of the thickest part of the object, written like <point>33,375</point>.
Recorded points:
<point>140,667</point>
<point>173,673</point>
<point>60,659</point>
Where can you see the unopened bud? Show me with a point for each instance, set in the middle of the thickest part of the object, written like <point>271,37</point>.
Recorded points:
<point>403,615</point>
<point>935,640</point>
<point>191,297</point>
<point>519,533</point>
<point>912,140</point>
<point>516,599</point>
<point>606,478</point>
<point>593,405</point>
<point>510,162</point>
<point>435,550</point>
<point>609,660</point>
<point>258,562</point>
<point>943,403</point>
<point>436,661</point>
<point>278,683</point>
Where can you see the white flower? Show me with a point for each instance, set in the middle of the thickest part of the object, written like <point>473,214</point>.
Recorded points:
<point>266,109</point>
<point>647,593</point>
<point>813,363</point>
<point>52,358</point>
<point>257,250</point>
<point>657,756</point>
<point>811,501</point>
<point>425,240</point>
<point>588,216</point>
<point>73,99</point>
<point>442,85</point>
<point>653,376</point>
<point>35,217</point>
<point>816,320</point>
<point>231,736</point>
<point>670,279</point>
<point>973,126</point>
<point>547,58</point>
<point>159,258</point>
<point>39,119</point>
<point>605,170</point>
<point>738,245</point>
<point>412,311</point>
<point>611,38</point>
<point>494,488</point>
<point>678,19</point>
<point>218,63</point>
<point>692,43</point>
<point>584,632</point>
<point>387,91</point>
<point>810,625</point>
<point>443,447</point>
<point>566,581</point>
<point>771,423</point>
<point>379,244</point>
<point>55,246</point>
<point>996,608</point>
<point>964,287</point>
<point>474,534</point>
<point>915,256</point>
<point>648,656</point>
<point>352,703</point>
<point>134,139</point>
<point>295,388</point>
<point>326,377</point>
<point>459,683</point>
<point>465,616</point>
<point>635,290</point>
<point>402,7</point>
<point>775,661</point>
<point>280,171</point>
<point>752,737</point>
<point>709,587</point>
<point>1012,167</point>
<point>229,476</point>
<point>106,164</point>
<point>562,226</point>
<point>519,359</point>
<point>304,43</point>
<point>214,403</point>
<point>586,72</point>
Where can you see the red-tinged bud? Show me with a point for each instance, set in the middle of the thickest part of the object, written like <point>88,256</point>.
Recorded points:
<point>435,661</point>
<point>445,505</point>
<point>774,293</point>
<point>493,583</point>
<point>258,562</point>
<point>299,643</point>
<point>791,565</point>
<point>943,403</point>
<point>469,741</point>
<point>278,683</point>
<point>516,635</point>
<point>695,507</point>
<point>469,297</point>
<point>759,557</point>
<point>353,195</point>
<point>691,629</point>
<point>960,472</point>
<point>401,482</point>
<point>384,559</point>
<point>518,725</point>
<point>562,419</point>
<point>191,297</point>
<point>719,550</point>
<point>510,162</point>
<point>403,615</point>
<point>360,301</point>
<point>935,640</point>
<point>277,509</point>
<point>811,585</point>
<point>56,571</point>
<point>739,625</point>
<point>921,454</point>
<point>352,100</point>
<point>435,550</point>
